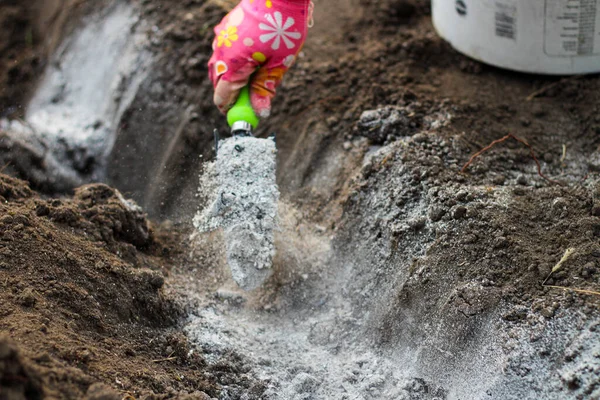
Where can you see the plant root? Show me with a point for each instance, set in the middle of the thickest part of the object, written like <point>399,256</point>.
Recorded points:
<point>503,139</point>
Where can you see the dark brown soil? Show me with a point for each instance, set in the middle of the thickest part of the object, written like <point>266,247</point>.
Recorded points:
<point>20,60</point>
<point>82,301</point>
<point>29,32</point>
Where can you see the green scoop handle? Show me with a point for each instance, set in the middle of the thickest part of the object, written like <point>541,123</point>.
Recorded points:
<point>242,110</point>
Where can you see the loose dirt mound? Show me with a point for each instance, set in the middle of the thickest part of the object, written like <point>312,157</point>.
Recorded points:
<point>82,300</point>
<point>458,265</point>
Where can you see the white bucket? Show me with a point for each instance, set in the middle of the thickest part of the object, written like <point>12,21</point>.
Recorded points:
<point>538,36</point>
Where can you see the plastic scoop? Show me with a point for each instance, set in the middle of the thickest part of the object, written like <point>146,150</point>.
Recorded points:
<point>245,205</point>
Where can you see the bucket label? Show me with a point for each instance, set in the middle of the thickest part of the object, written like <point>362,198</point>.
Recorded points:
<point>505,19</point>
<point>572,28</point>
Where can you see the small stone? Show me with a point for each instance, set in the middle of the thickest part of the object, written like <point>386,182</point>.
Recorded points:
<point>462,195</point>
<point>417,223</point>
<point>129,352</point>
<point>378,125</point>
<point>420,138</point>
<point>332,121</point>
<point>27,298</point>
<point>85,356</point>
<point>518,191</point>
<point>532,268</point>
<point>515,314</point>
<point>499,180</point>
<point>547,312</point>
<point>585,274</point>
<point>560,203</point>
<point>348,116</point>
<point>596,210</point>
<point>501,242</point>
<point>571,379</point>
<point>588,270</point>
<point>560,275</point>
<point>230,296</point>
<point>436,213</point>
<point>7,219</point>
<point>469,238</point>
<point>521,180</point>
<point>472,213</point>
<point>460,212</point>
<point>560,207</point>
<point>157,281</point>
<point>23,220</point>
<point>42,210</point>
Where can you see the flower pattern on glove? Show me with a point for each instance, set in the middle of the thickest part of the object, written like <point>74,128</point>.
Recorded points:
<point>279,31</point>
<point>227,37</point>
<point>257,35</point>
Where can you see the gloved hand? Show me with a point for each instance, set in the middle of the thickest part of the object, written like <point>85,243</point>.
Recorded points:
<point>258,38</point>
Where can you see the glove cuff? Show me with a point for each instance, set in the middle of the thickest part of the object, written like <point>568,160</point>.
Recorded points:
<point>293,4</point>
<point>299,9</point>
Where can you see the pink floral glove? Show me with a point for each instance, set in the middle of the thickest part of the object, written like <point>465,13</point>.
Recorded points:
<point>260,37</point>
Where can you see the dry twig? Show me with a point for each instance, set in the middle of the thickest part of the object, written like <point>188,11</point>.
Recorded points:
<point>568,253</point>
<point>564,155</point>
<point>505,138</point>
<point>592,292</point>
<point>165,359</point>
